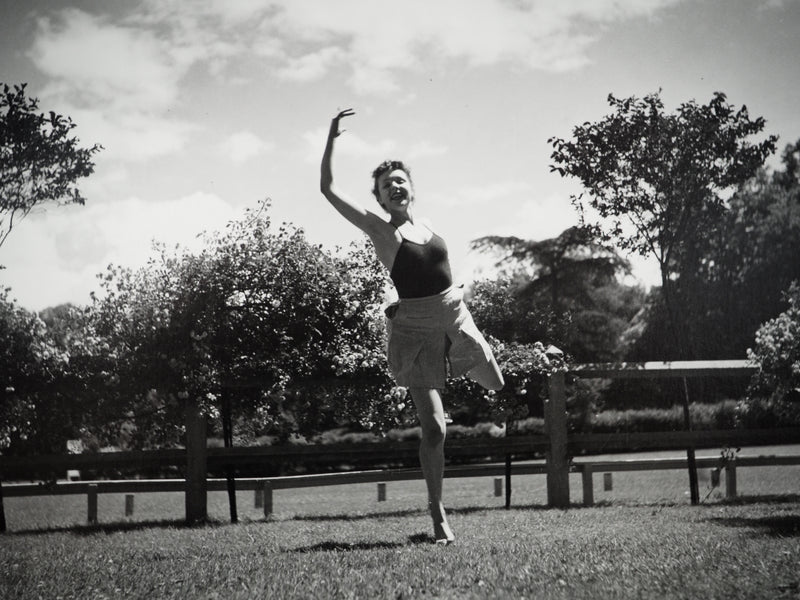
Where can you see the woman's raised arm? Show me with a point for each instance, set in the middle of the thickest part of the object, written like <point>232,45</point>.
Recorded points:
<point>350,210</point>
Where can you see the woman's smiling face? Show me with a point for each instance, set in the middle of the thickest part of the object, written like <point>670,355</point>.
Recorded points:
<point>395,190</point>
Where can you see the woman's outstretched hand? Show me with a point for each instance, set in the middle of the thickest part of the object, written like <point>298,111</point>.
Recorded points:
<point>348,112</point>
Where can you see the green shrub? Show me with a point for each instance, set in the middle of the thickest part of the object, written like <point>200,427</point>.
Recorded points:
<point>529,426</point>
<point>343,435</point>
<point>777,351</point>
<point>767,413</point>
<point>722,415</point>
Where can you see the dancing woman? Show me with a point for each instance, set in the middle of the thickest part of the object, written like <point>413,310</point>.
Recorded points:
<point>430,328</point>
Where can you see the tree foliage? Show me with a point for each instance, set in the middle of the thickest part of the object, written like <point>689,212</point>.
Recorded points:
<point>35,371</point>
<point>733,277</point>
<point>653,180</point>
<point>293,334</point>
<point>40,162</point>
<point>777,353</point>
<point>564,289</point>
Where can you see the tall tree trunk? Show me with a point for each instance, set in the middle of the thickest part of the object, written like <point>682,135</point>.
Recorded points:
<point>682,345</point>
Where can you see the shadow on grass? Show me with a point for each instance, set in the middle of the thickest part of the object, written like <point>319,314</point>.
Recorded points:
<point>768,499</point>
<point>117,527</point>
<point>332,546</point>
<point>782,526</point>
<point>464,510</point>
<point>738,501</point>
<point>358,516</point>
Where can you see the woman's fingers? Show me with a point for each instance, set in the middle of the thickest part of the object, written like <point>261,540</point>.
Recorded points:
<point>335,132</point>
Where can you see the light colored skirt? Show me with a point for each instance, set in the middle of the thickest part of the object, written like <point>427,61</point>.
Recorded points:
<point>432,336</point>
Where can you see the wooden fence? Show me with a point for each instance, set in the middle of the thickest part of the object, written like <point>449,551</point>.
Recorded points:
<point>556,444</point>
<point>264,487</point>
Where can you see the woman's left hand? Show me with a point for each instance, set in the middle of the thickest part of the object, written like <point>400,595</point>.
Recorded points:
<point>348,112</point>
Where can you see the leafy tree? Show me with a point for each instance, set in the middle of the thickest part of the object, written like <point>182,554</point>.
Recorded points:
<point>31,363</point>
<point>39,162</point>
<point>653,180</point>
<point>290,335</point>
<point>734,275</point>
<point>789,178</point>
<point>742,266</point>
<point>563,289</point>
<point>498,312</point>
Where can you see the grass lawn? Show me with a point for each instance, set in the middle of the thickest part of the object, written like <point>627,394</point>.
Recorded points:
<point>643,541</point>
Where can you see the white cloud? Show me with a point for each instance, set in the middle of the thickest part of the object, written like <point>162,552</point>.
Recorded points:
<point>542,218</point>
<point>488,194</point>
<point>310,67</point>
<point>117,82</point>
<point>346,145</point>
<point>130,135</point>
<point>425,149</point>
<point>53,257</point>
<point>380,38</point>
<point>243,145</point>
<point>139,60</point>
<point>106,63</point>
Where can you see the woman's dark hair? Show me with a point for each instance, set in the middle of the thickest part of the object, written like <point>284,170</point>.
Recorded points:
<point>386,167</point>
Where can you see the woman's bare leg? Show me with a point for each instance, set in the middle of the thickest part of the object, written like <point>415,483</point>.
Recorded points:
<point>431,456</point>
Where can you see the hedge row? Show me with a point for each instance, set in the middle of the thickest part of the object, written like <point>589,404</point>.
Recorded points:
<point>727,414</point>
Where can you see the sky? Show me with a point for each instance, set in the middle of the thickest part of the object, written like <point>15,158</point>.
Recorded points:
<point>206,107</point>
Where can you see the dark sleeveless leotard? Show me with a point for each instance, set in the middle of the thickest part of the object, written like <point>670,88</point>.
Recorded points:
<point>421,270</point>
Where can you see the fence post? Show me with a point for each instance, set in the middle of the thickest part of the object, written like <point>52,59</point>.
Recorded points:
<point>267,496</point>
<point>196,461</point>
<point>730,480</point>
<point>508,481</point>
<point>715,477</point>
<point>555,414</point>
<point>128,505</point>
<point>588,484</point>
<point>91,504</point>
<point>2,510</point>
<point>381,492</point>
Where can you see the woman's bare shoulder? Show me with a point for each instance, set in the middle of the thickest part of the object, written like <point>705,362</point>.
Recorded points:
<point>386,240</point>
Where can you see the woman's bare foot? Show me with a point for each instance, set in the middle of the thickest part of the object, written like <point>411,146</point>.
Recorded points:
<point>442,533</point>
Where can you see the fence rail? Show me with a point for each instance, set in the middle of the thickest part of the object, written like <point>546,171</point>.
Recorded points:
<point>27,467</point>
<point>30,467</point>
<point>265,486</point>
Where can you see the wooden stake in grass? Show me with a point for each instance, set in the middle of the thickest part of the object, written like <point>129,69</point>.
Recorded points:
<point>267,496</point>
<point>91,504</point>
<point>694,488</point>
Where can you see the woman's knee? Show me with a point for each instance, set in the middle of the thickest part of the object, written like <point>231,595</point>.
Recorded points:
<point>433,431</point>
<point>430,413</point>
